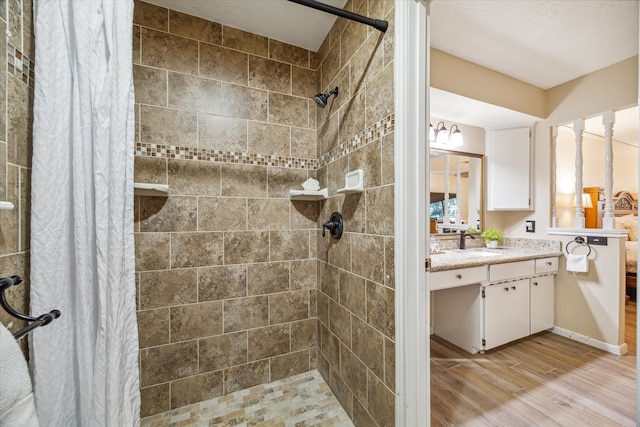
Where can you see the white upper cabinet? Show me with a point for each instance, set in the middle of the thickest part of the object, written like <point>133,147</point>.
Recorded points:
<point>508,160</point>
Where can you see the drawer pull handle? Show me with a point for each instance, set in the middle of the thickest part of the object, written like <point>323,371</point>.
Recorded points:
<point>535,283</point>
<point>506,288</point>
<point>513,287</point>
<point>548,263</point>
<point>458,276</point>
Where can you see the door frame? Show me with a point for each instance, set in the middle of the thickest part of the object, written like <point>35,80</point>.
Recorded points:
<point>411,71</point>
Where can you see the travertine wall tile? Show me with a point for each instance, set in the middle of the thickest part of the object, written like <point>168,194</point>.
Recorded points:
<point>269,138</point>
<point>227,65</point>
<point>223,351</point>
<point>153,327</point>
<point>220,214</point>
<point>289,364</point>
<point>244,181</point>
<point>380,205</point>
<point>245,376</point>
<point>354,373</point>
<point>288,306</point>
<point>288,53</point>
<point>288,110</point>
<point>241,40</point>
<point>197,249</point>
<point>270,75</point>
<point>222,133</point>
<point>303,334</point>
<point>174,53</point>
<point>154,400</point>
<point>193,178</point>
<point>167,288</point>
<point>194,93</point>
<point>368,346</point>
<point>269,341</point>
<point>268,278</point>
<point>168,362</point>
<point>242,247</point>
<point>150,85</point>
<point>187,321</point>
<point>168,214</point>
<point>244,102</point>
<point>152,251</point>
<point>195,28</point>
<point>152,16</point>
<point>246,313</point>
<point>217,283</point>
<point>196,389</point>
<point>268,214</point>
<point>167,126</point>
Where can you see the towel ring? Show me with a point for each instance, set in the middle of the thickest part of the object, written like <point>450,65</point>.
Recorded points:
<point>580,241</point>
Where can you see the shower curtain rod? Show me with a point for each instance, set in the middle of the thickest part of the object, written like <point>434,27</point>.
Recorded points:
<point>375,23</point>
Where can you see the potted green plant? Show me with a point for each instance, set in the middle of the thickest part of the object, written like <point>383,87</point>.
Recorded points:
<point>492,237</point>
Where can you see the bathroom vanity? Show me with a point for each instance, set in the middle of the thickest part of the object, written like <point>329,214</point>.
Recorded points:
<point>484,298</point>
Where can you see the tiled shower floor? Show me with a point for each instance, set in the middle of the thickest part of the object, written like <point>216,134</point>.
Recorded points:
<point>301,400</point>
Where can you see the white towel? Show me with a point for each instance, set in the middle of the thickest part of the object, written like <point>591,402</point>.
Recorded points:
<point>17,406</point>
<point>577,263</point>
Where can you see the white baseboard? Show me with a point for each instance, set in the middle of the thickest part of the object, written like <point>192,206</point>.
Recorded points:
<point>611,348</point>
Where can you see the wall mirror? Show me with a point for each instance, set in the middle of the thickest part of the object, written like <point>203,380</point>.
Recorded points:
<point>456,192</point>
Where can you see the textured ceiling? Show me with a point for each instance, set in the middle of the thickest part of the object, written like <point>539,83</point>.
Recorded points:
<point>543,42</point>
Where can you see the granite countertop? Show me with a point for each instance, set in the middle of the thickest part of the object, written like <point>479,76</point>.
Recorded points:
<point>473,257</point>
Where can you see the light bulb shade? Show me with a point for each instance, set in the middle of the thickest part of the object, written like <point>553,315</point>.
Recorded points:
<point>432,133</point>
<point>455,137</point>
<point>441,134</point>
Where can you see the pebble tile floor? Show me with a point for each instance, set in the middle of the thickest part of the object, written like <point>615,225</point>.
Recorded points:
<point>303,400</point>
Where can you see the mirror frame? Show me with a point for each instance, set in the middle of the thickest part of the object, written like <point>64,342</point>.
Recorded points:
<point>482,189</point>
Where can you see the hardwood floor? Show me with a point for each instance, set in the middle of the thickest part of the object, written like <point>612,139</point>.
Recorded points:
<point>543,380</point>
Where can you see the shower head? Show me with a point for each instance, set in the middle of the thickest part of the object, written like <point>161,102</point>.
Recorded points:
<point>322,98</point>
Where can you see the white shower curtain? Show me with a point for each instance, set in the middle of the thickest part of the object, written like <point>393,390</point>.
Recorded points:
<point>85,364</point>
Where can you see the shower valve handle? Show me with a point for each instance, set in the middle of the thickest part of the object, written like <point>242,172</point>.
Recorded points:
<point>335,225</point>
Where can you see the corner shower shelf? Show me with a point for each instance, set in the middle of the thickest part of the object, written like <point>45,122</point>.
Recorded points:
<point>155,190</point>
<point>6,206</point>
<point>309,194</point>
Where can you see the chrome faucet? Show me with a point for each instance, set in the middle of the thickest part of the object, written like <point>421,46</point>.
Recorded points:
<point>462,238</point>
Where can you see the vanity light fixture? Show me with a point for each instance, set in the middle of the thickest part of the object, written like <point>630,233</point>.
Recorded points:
<point>441,134</point>
<point>455,137</point>
<point>432,133</point>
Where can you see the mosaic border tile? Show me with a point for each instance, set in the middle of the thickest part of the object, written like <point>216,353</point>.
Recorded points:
<point>15,58</point>
<point>371,134</point>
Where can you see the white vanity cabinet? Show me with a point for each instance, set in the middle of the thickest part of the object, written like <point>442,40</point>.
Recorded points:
<point>480,308</point>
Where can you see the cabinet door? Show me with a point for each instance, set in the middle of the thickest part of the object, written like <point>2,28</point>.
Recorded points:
<point>506,312</point>
<point>508,169</point>
<point>542,303</point>
<point>496,315</point>
<point>518,309</point>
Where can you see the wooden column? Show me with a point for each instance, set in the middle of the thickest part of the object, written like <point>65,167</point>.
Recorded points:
<point>578,129</point>
<point>608,222</point>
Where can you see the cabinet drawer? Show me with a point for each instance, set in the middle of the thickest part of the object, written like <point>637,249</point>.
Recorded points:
<point>458,277</point>
<point>547,265</point>
<point>511,270</point>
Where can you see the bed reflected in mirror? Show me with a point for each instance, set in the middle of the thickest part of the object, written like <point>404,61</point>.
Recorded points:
<point>455,187</point>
